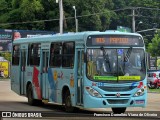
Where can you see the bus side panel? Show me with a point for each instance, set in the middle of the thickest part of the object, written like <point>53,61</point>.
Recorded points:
<point>15,79</point>
<point>33,76</point>
<point>59,78</point>
<point>36,83</point>
<point>52,85</point>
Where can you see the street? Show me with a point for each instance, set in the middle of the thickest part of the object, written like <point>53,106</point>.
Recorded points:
<point>10,101</point>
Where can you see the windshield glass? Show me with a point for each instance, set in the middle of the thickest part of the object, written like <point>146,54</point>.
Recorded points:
<point>116,65</point>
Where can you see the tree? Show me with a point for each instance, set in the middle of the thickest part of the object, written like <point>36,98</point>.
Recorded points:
<point>154,46</point>
<point>6,55</point>
<point>98,15</point>
<point>24,11</point>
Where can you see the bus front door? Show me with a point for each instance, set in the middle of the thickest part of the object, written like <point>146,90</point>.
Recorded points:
<point>80,62</point>
<point>44,73</point>
<point>23,70</point>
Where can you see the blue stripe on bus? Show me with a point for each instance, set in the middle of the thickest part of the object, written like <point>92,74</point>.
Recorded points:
<point>52,84</point>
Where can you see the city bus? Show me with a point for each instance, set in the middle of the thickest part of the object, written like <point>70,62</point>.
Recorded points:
<point>83,70</point>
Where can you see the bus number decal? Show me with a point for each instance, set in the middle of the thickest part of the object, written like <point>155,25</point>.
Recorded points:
<point>94,84</point>
<point>29,73</point>
<point>100,40</point>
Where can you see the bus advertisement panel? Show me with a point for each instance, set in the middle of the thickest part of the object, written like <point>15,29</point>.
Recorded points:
<point>7,36</point>
<point>4,69</point>
<point>29,33</point>
<point>5,40</point>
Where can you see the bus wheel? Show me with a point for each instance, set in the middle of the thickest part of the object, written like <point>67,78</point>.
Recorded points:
<point>68,103</point>
<point>31,100</point>
<point>118,110</point>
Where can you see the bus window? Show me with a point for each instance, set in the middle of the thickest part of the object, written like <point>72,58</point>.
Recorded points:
<point>15,55</point>
<point>68,54</point>
<point>56,54</point>
<point>34,53</point>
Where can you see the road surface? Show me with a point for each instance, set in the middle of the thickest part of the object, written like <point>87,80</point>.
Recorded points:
<point>10,101</point>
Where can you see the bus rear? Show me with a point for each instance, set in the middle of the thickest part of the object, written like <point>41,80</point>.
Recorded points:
<point>115,71</point>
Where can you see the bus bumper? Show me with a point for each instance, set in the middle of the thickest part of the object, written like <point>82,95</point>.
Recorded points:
<point>93,102</point>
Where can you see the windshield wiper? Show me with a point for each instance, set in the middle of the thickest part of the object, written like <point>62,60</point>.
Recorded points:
<point>106,57</point>
<point>128,54</point>
<point>126,58</point>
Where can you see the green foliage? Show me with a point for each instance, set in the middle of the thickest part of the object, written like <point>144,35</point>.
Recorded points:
<point>6,55</point>
<point>3,6</point>
<point>98,15</point>
<point>92,15</point>
<point>154,47</point>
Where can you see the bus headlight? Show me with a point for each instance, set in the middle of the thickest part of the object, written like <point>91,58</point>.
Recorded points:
<point>140,92</point>
<point>93,92</point>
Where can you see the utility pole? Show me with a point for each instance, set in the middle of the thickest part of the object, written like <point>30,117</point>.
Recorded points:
<point>133,15</point>
<point>133,19</point>
<point>60,16</point>
<point>76,20</point>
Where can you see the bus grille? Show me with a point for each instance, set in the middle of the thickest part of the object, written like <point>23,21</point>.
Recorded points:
<point>115,89</point>
<point>114,95</point>
<point>118,101</point>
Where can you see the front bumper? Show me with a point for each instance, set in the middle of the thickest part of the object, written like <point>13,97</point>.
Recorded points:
<point>93,102</point>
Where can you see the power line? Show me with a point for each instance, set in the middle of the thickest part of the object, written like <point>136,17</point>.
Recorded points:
<point>148,8</point>
<point>37,21</point>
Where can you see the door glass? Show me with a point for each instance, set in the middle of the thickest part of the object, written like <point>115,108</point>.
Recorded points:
<point>23,60</point>
<point>79,64</point>
<point>45,61</point>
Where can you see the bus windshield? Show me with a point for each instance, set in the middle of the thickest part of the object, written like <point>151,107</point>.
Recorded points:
<point>116,65</point>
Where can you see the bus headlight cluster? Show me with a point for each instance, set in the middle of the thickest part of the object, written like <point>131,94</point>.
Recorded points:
<point>140,92</point>
<point>93,92</point>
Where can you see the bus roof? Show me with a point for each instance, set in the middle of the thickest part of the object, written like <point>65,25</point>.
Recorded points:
<point>69,36</point>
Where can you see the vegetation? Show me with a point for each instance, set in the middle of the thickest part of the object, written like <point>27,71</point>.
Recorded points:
<point>98,15</point>
<point>92,14</point>
<point>154,46</point>
<point>154,90</point>
<point>6,55</point>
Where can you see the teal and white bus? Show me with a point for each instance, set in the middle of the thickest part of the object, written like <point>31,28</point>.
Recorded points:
<point>81,70</point>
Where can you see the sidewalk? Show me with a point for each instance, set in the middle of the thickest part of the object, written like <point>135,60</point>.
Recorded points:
<point>4,79</point>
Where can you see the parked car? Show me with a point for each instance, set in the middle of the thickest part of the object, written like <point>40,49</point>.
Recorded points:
<point>153,79</point>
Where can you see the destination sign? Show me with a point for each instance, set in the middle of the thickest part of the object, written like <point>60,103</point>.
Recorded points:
<point>115,40</point>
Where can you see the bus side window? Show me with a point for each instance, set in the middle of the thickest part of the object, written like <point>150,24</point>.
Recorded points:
<point>15,55</point>
<point>34,54</point>
<point>68,54</point>
<point>56,54</point>
<point>51,55</point>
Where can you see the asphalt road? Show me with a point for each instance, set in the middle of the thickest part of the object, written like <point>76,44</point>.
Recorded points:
<point>10,101</point>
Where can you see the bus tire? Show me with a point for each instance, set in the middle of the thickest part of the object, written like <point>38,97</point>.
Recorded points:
<point>31,100</point>
<point>68,103</point>
<point>119,110</point>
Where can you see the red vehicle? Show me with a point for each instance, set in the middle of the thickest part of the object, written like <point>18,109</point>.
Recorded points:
<point>153,79</point>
